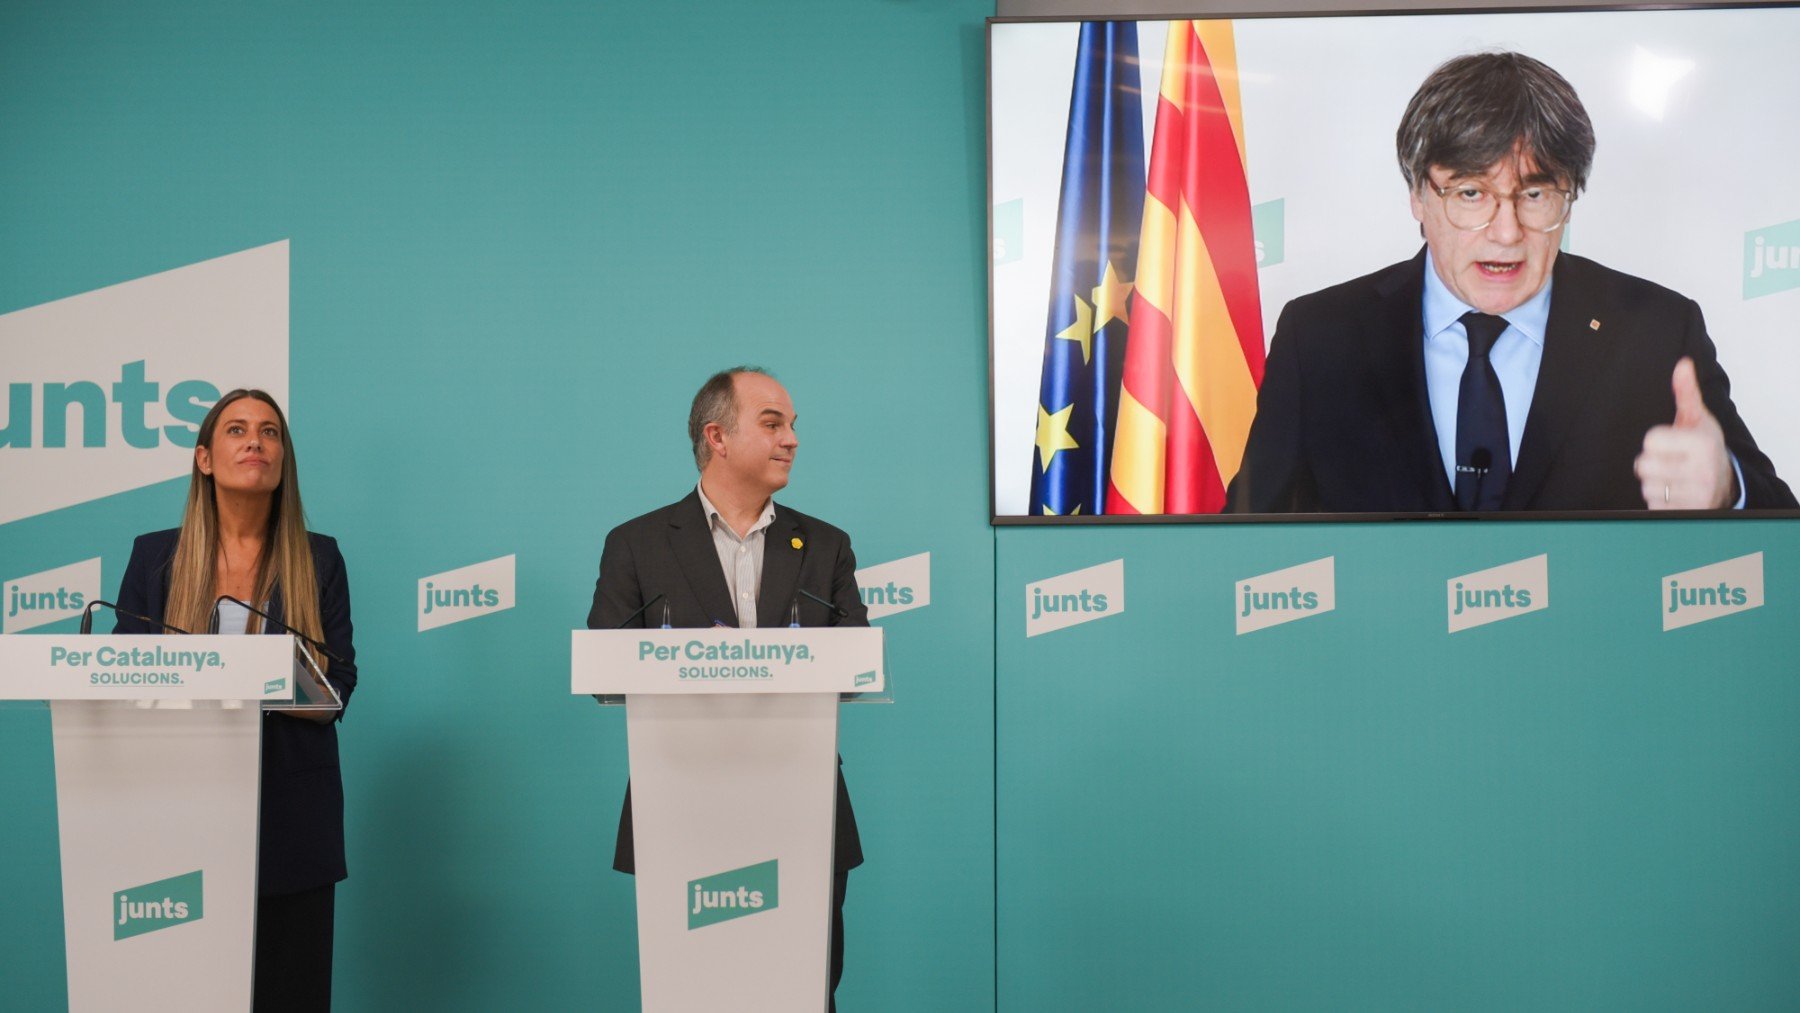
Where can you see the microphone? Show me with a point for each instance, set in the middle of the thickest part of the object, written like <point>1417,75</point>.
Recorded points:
<point>318,645</point>
<point>643,609</point>
<point>1479,461</point>
<point>1482,458</point>
<point>836,610</point>
<point>604,698</point>
<point>87,617</point>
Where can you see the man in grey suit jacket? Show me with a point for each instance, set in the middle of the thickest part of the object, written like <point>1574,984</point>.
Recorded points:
<point>727,555</point>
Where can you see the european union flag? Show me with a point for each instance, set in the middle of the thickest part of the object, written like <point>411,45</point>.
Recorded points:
<point>1097,221</point>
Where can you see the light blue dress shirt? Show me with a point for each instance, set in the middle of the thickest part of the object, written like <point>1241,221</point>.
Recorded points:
<point>1517,354</point>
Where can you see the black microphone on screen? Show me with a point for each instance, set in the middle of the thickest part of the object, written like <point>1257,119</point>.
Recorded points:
<point>1481,459</point>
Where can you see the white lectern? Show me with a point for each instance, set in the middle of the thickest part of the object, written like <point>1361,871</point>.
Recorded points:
<point>733,741</point>
<point>158,743</point>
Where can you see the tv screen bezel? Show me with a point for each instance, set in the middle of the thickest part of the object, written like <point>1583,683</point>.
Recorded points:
<point>997,519</point>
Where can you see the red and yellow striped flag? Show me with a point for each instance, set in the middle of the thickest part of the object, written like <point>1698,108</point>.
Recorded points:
<point>1194,355</point>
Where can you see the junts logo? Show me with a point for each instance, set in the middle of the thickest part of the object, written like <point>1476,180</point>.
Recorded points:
<point>50,596</point>
<point>466,592</point>
<point>1772,259</point>
<point>39,414</point>
<point>1072,598</point>
<point>898,586</point>
<point>738,893</point>
<point>159,905</point>
<point>1501,592</point>
<point>1708,592</point>
<point>1282,596</point>
<point>1268,222</point>
<point>105,390</point>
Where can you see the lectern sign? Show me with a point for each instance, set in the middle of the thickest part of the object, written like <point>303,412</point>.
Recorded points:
<point>728,660</point>
<point>173,901</point>
<point>145,668</point>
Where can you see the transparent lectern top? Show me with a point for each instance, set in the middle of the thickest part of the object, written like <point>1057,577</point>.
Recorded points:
<point>35,670</point>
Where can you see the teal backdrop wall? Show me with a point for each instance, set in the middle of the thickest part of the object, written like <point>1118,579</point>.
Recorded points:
<point>520,237</point>
<point>1566,809</point>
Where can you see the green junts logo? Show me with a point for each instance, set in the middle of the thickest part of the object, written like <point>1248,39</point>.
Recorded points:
<point>727,895</point>
<point>1009,231</point>
<point>1772,259</point>
<point>133,397</point>
<point>1268,222</point>
<point>158,905</point>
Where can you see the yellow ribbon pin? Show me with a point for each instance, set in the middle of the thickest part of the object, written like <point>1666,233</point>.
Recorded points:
<point>797,543</point>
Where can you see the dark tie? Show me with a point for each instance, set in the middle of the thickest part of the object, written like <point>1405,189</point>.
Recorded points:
<point>1483,451</point>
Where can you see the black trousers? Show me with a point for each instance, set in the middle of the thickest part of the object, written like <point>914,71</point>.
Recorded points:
<point>840,882</point>
<point>293,951</point>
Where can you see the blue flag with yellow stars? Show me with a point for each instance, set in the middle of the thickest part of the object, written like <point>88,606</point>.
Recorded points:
<point>1097,220</point>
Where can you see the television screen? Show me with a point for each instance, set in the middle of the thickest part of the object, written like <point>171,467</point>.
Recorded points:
<point>1373,266</point>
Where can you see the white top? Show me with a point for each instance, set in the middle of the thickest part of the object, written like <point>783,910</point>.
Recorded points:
<point>233,618</point>
<point>740,558</point>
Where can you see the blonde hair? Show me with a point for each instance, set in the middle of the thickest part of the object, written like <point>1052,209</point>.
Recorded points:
<point>286,560</point>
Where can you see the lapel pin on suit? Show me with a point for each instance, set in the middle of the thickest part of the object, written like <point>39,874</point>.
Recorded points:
<point>796,543</point>
<point>1593,325</point>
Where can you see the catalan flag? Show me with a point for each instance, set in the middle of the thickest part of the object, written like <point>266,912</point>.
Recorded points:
<point>1097,217</point>
<point>1194,355</point>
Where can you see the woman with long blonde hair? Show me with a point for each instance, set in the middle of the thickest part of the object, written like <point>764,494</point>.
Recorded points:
<point>243,534</point>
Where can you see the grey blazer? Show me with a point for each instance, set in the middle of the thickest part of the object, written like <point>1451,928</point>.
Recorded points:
<point>669,551</point>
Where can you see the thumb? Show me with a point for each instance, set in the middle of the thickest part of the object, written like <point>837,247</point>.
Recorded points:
<point>1690,407</point>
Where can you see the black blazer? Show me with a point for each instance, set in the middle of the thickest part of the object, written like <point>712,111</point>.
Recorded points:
<point>1343,421</point>
<point>300,844</point>
<point>670,552</point>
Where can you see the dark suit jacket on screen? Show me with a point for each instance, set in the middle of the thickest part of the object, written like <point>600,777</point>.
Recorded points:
<point>670,552</point>
<point>300,843</point>
<point>1343,422</point>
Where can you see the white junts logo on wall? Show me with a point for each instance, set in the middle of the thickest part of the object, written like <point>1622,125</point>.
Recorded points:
<point>104,391</point>
<point>1708,592</point>
<point>1282,596</point>
<point>39,599</point>
<point>466,592</point>
<point>899,586</point>
<point>1074,598</point>
<point>1500,592</point>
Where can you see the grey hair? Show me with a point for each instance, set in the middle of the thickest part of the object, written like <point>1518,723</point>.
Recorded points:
<point>1473,111</point>
<point>716,401</point>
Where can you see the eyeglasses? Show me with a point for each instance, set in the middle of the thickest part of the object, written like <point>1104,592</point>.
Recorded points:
<point>1472,207</point>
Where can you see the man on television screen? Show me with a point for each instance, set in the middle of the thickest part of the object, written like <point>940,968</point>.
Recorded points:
<point>1489,372</point>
